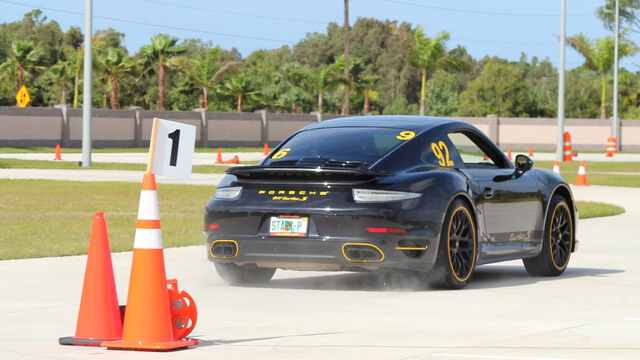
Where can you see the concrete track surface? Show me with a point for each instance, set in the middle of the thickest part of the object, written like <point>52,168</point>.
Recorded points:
<point>592,311</point>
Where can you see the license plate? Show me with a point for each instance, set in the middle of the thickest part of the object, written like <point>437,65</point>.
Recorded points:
<point>288,226</point>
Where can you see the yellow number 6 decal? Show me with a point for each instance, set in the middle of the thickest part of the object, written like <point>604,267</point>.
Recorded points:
<point>406,135</point>
<point>443,159</point>
<point>280,154</point>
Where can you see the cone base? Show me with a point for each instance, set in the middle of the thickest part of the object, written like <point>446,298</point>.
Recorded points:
<point>71,340</point>
<point>159,346</point>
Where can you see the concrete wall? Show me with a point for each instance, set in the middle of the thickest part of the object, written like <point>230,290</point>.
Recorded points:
<point>132,128</point>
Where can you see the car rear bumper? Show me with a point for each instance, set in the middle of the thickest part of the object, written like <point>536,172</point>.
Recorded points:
<point>324,253</point>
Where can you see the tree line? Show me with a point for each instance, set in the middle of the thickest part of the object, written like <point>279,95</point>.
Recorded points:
<point>394,68</point>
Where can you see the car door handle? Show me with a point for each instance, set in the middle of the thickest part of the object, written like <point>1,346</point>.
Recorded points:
<point>488,193</point>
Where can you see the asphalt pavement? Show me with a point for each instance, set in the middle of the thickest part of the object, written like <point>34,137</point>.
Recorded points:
<point>592,311</point>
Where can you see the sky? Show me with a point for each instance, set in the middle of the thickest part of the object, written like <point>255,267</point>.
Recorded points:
<point>504,28</point>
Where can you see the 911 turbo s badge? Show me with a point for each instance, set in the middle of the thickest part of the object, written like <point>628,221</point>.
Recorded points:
<point>291,195</point>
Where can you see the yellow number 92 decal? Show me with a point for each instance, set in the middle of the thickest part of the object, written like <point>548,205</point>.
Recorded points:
<point>443,158</point>
<point>280,154</point>
<point>406,135</point>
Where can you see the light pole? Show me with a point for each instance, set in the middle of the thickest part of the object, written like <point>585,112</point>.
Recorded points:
<point>616,121</point>
<point>560,145</point>
<point>86,91</point>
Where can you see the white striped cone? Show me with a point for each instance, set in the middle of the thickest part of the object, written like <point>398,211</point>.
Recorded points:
<point>582,175</point>
<point>556,167</point>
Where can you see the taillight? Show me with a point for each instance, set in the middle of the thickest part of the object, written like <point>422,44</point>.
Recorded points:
<point>213,226</point>
<point>386,230</point>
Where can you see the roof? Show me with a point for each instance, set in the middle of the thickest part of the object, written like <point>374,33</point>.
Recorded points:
<point>418,123</point>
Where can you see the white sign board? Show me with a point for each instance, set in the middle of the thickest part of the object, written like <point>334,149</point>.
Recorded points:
<point>174,146</point>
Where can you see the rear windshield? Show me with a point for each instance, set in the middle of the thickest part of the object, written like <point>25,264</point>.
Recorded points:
<point>363,144</point>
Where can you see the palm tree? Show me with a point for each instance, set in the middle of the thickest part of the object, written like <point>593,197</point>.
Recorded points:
<point>426,54</point>
<point>60,75</point>
<point>23,60</point>
<point>115,66</point>
<point>240,87</point>
<point>366,85</point>
<point>326,78</point>
<point>599,56</point>
<point>163,48</point>
<point>205,72</point>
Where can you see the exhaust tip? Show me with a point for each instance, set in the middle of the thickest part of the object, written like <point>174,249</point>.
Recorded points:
<point>361,252</point>
<point>224,249</point>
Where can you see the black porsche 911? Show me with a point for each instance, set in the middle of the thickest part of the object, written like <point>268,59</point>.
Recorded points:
<point>429,195</point>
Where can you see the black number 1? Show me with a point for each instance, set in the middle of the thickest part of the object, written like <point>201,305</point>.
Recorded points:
<point>175,141</point>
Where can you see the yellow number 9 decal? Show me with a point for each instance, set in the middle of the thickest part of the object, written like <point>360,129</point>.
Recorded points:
<point>280,154</point>
<point>443,158</point>
<point>406,135</point>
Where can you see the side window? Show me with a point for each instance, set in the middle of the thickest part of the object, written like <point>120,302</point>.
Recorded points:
<point>470,153</point>
<point>441,152</point>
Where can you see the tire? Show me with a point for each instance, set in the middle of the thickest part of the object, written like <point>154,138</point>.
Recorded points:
<point>457,250</point>
<point>233,274</point>
<point>556,243</point>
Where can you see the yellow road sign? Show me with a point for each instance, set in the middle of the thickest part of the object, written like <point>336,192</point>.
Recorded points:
<point>23,97</point>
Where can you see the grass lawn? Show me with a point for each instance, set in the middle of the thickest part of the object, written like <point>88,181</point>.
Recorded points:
<point>595,172</point>
<point>45,149</point>
<point>43,164</point>
<point>40,218</point>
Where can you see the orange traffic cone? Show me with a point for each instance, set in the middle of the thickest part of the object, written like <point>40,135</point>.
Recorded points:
<point>147,320</point>
<point>530,151</point>
<point>99,315</point>
<point>509,153</point>
<point>266,149</point>
<point>58,157</point>
<point>611,146</point>
<point>581,180</point>
<point>567,147</point>
<point>556,167</point>
<point>233,160</point>
<point>219,159</point>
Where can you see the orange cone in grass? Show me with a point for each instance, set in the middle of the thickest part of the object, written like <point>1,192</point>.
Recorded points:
<point>147,320</point>
<point>99,315</point>
<point>266,149</point>
<point>611,146</point>
<point>509,153</point>
<point>556,167</point>
<point>530,151</point>
<point>233,160</point>
<point>219,159</point>
<point>581,180</point>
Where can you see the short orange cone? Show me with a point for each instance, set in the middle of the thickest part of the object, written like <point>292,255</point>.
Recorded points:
<point>509,153</point>
<point>58,157</point>
<point>233,160</point>
<point>581,180</point>
<point>147,320</point>
<point>266,149</point>
<point>556,167</point>
<point>530,151</point>
<point>567,148</point>
<point>611,146</point>
<point>219,160</point>
<point>99,315</point>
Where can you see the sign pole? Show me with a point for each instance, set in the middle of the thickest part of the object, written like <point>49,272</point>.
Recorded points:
<point>152,145</point>
<point>616,120</point>
<point>560,145</point>
<point>86,91</point>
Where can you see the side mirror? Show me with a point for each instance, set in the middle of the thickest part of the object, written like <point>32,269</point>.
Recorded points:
<point>523,163</point>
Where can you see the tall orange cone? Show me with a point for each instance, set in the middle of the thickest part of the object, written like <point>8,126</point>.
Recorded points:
<point>57,157</point>
<point>147,320</point>
<point>556,167</point>
<point>99,315</point>
<point>219,160</point>
<point>530,151</point>
<point>611,146</point>
<point>581,180</point>
<point>266,149</point>
<point>509,153</point>
<point>567,147</point>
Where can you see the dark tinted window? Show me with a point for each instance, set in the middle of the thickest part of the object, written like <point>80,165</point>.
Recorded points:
<point>364,144</point>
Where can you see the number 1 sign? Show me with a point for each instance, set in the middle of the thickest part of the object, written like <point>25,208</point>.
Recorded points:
<point>171,148</point>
